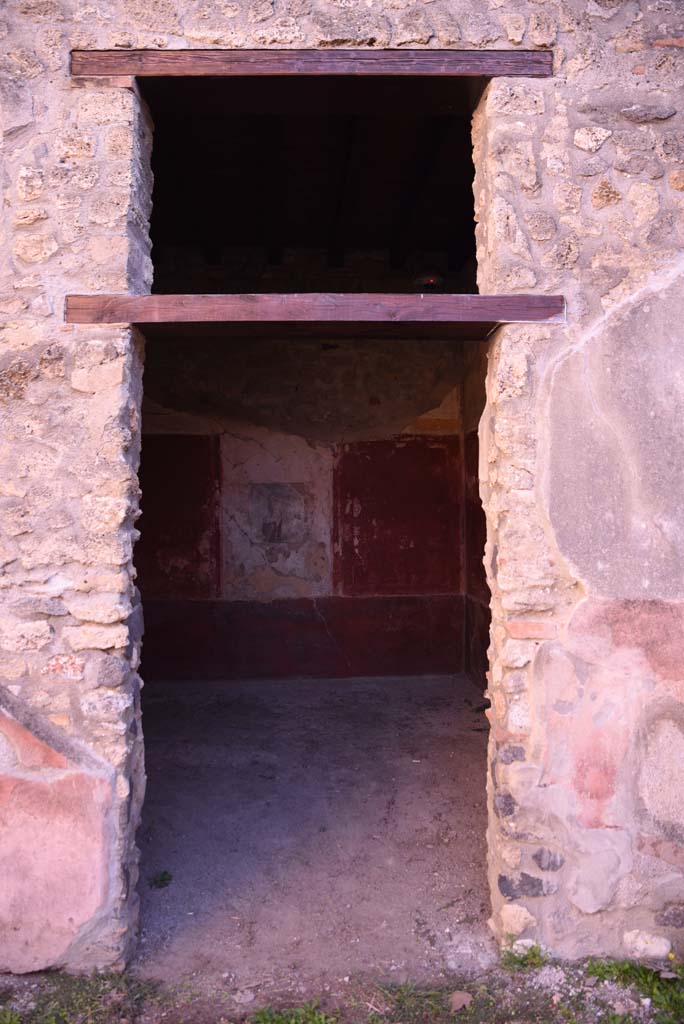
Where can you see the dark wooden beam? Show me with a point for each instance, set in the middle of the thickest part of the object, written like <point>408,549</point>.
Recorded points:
<point>324,307</point>
<point>489,63</point>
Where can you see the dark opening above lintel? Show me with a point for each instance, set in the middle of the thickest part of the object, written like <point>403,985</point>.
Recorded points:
<point>341,315</point>
<point>220,63</point>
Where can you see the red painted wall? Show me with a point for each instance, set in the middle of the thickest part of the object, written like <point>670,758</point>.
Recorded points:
<point>330,637</point>
<point>178,554</point>
<point>397,517</point>
<point>398,569</point>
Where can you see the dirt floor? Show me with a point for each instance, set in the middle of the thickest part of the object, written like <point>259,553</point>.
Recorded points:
<point>298,833</point>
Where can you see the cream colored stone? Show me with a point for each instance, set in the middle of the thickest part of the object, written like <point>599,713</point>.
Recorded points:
<point>676,179</point>
<point>30,183</point>
<point>515,919</point>
<point>35,248</point>
<point>102,514</point>
<point>641,944</point>
<point>94,607</point>
<point>590,139</point>
<point>99,378</point>
<point>644,200</point>
<point>605,194</point>
<point>510,97</point>
<point>514,24</point>
<point>17,635</point>
<point>542,29</point>
<point>101,637</point>
<point>115,106</point>
<point>75,145</point>
<point>506,228</point>
<point>511,855</point>
<point>30,215</point>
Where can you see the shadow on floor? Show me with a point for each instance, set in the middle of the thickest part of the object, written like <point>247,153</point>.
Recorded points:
<point>313,830</point>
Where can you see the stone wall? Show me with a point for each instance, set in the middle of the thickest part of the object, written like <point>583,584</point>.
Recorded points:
<point>579,189</point>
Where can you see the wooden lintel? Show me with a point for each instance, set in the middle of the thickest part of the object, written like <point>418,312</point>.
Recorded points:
<point>221,63</point>
<point>326,307</point>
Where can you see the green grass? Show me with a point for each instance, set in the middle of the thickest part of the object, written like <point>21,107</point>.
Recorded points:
<point>413,1005</point>
<point>99,999</point>
<point>161,880</point>
<point>9,1017</point>
<point>666,994</point>
<point>309,1014</point>
<point>528,960</point>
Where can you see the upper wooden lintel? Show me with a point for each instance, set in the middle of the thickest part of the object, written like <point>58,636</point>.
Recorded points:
<point>221,63</point>
<point>346,314</point>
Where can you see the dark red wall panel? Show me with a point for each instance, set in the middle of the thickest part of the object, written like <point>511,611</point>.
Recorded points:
<point>178,554</point>
<point>330,637</point>
<point>398,517</point>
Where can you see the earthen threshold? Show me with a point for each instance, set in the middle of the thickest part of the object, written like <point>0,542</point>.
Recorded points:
<point>340,314</point>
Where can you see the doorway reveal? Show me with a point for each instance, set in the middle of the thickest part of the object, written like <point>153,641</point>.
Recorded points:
<point>315,750</point>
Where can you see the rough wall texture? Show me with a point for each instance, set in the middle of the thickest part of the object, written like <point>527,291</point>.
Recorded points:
<point>579,188</point>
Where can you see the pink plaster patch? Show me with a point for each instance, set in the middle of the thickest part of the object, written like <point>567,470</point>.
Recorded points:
<point>655,628</point>
<point>53,865</point>
<point>29,751</point>
<point>594,782</point>
<point>663,849</point>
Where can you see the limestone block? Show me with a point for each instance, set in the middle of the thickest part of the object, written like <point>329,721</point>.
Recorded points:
<point>35,248</point>
<point>17,635</point>
<point>642,944</point>
<point>661,775</point>
<point>506,96</point>
<point>30,215</point>
<point>514,24</point>
<point>30,183</point>
<point>115,106</point>
<point>515,919</point>
<point>102,514</point>
<point>75,145</point>
<point>81,638</point>
<point>413,28</point>
<point>605,194</point>
<point>94,607</point>
<point>590,139</point>
<point>676,179</point>
<point>594,869</point>
<point>644,200</point>
<point>516,157</point>
<point>542,29</point>
<point>99,378</point>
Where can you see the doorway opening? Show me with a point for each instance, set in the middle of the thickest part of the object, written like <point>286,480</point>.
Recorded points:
<point>310,561</point>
